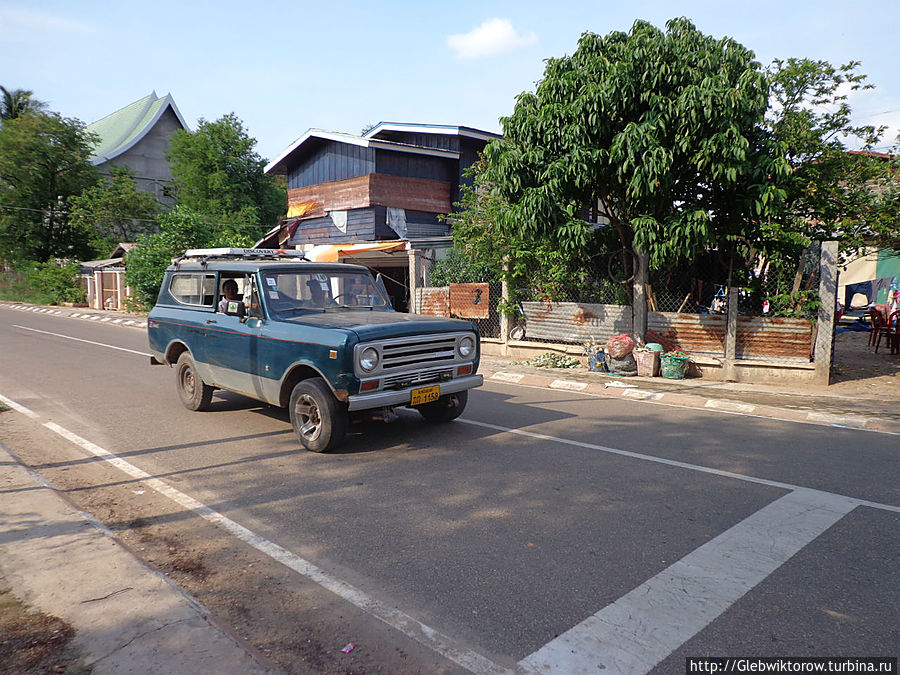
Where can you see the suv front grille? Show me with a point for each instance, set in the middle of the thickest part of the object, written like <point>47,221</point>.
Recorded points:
<point>416,356</point>
<point>424,353</point>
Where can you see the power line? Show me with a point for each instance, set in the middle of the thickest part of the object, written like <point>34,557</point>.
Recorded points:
<point>67,213</point>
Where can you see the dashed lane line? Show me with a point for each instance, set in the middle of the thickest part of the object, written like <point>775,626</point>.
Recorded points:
<point>90,342</point>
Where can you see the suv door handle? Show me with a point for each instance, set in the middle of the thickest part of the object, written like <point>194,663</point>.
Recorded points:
<point>209,321</point>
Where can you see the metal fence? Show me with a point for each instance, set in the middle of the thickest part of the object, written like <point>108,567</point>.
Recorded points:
<point>777,303</point>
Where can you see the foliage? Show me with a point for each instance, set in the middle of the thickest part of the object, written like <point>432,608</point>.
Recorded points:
<point>57,280</point>
<point>661,130</point>
<point>14,285</point>
<point>16,102</point>
<point>830,192</point>
<point>113,211</point>
<point>216,171</point>
<point>179,230</point>
<point>553,360</point>
<point>535,267</point>
<point>803,304</point>
<point>44,161</point>
<point>459,268</point>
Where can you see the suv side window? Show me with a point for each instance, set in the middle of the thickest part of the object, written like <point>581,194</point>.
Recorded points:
<point>193,289</point>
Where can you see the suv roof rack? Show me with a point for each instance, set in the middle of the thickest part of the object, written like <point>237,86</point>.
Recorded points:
<point>241,254</point>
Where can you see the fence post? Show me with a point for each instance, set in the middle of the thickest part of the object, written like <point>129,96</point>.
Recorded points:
<point>639,305</point>
<point>731,334</point>
<point>415,275</point>
<point>828,281</point>
<point>504,317</point>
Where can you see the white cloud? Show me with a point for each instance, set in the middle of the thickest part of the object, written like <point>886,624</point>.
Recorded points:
<point>494,36</point>
<point>20,23</point>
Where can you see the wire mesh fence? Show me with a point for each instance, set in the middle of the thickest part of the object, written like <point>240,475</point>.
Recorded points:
<point>777,303</point>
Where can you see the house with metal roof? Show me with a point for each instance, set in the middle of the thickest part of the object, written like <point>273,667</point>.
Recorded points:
<point>138,136</point>
<point>388,186</point>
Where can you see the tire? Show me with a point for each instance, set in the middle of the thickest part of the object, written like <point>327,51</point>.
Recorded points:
<point>447,408</point>
<point>194,393</point>
<point>318,418</point>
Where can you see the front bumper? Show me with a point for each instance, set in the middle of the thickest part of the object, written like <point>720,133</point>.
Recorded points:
<point>380,399</point>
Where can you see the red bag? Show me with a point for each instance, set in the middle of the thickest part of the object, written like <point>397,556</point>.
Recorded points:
<point>620,346</point>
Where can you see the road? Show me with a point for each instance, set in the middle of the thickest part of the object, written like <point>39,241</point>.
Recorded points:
<point>544,530</point>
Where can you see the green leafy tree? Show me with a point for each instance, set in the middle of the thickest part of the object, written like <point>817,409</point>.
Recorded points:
<point>17,102</point>
<point>179,229</point>
<point>114,211</point>
<point>831,192</point>
<point>44,162</point>
<point>662,131</point>
<point>216,171</point>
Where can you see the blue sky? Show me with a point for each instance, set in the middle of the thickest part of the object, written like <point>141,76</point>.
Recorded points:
<point>284,67</point>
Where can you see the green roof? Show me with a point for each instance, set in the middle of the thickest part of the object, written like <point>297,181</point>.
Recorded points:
<point>122,129</point>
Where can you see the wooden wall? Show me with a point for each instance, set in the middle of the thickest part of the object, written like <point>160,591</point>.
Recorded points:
<point>416,194</point>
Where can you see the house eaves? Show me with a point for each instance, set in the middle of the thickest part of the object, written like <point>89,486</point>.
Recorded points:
<point>442,129</point>
<point>122,130</point>
<point>279,164</point>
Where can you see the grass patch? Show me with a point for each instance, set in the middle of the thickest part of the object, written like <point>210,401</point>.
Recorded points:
<point>15,286</point>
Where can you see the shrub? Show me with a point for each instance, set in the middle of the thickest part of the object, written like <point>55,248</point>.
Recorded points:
<point>58,281</point>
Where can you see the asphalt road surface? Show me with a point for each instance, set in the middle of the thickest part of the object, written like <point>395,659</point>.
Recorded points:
<point>544,530</point>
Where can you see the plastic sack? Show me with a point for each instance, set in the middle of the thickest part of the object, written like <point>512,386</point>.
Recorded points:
<point>620,346</point>
<point>626,365</point>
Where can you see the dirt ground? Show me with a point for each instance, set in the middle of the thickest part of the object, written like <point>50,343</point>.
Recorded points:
<point>32,642</point>
<point>859,371</point>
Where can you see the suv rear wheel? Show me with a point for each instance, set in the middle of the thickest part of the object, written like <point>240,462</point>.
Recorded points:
<point>194,393</point>
<point>319,420</point>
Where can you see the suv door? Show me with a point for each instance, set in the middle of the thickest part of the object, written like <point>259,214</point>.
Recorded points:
<point>233,342</point>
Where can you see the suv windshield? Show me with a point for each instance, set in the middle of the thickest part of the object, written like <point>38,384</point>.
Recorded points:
<point>292,292</point>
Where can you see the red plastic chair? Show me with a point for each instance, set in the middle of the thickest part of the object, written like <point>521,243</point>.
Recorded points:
<point>881,327</point>
<point>893,332</point>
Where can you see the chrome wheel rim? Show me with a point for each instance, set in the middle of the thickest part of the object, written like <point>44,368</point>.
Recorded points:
<point>306,412</point>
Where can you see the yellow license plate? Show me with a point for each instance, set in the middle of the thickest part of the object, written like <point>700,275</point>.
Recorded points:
<point>425,395</point>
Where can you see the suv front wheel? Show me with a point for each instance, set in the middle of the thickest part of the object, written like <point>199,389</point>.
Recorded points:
<point>319,420</point>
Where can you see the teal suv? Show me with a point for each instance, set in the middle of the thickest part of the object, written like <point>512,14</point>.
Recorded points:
<point>318,338</point>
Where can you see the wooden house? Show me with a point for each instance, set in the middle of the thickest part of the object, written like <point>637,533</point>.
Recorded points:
<point>389,185</point>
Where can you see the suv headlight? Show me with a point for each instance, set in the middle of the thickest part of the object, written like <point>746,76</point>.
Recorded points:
<point>466,347</point>
<point>368,359</point>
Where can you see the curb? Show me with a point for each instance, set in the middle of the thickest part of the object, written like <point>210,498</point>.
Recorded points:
<point>848,421</point>
<point>72,314</point>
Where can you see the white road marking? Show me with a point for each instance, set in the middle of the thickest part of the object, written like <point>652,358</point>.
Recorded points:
<point>507,377</point>
<point>19,408</point>
<point>669,462</point>
<point>425,635</point>
<point>570,385</point>
<point>90,342</point>
<point>644,626</point>
<point>721,404</point>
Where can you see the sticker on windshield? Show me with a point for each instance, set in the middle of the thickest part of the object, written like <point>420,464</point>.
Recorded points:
<point>271,281</point>
<point>273,294</point>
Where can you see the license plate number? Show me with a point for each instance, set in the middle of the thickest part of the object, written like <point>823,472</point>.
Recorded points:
<point>425,395</point>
